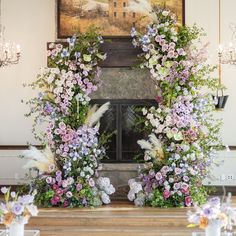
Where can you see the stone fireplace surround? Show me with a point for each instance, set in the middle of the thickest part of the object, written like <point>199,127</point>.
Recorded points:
<point>123,83</point>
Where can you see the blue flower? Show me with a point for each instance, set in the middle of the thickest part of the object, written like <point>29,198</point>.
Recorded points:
<point>152,31</point>
<point>72,40</point>
<point>145,39</point>
<point>133,32</point>
<point>77,54</point>
<point>65,53</point>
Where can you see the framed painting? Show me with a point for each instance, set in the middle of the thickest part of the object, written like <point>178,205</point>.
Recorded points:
<point>115,18</point>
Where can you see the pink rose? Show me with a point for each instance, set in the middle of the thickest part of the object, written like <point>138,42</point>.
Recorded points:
<point>166,194</point>
<point>188,201</point>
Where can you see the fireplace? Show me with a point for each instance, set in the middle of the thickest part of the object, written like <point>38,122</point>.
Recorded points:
<point>121,118</point>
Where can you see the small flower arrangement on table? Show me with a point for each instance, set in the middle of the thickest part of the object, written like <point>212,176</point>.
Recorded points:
<point>213,215</point>
<point>16,210</point>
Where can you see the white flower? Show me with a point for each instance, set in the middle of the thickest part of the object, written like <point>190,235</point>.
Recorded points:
<point>131,195</point>
<point>82,174</point>
<point>33,210</point>
<point>105,198</point>
<point>13,194</point>
<point>144,110</point>
<point>150,116</point>
<point>136,187</point>
<point>4,190</point>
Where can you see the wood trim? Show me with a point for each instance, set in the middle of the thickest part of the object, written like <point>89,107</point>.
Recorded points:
<point>23,147</point>
<point>17,147</point>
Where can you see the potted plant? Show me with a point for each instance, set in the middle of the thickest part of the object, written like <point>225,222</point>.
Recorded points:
<point>213,216</point>
<point>220,99</point>
<point>16,210</point>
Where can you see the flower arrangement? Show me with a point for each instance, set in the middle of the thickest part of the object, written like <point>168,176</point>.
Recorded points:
<point>183,134</point>
<point>213,211</point>
<point>68,166</point>
<point>16,208</point>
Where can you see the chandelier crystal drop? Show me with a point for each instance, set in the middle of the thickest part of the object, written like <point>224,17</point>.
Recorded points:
<point>9,51</point>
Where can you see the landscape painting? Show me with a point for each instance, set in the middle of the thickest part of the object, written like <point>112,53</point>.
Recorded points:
<point>114,17</point>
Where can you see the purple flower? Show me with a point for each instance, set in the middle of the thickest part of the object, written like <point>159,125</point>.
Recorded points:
<point>26,199</point>
<point>215,201</point>
<point>133,32</point>
<point>17,209</point>
<point>181,52</point>
<point>84,201</point>
<point>91,182</point>
<point>66,203</point>
<point>158,176</point>
<point>79,187</point>
<point>208,211</point>
<point>176,186</point>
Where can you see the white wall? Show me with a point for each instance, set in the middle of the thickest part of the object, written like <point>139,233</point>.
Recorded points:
<point>32,23</point>
<point>205,14</point>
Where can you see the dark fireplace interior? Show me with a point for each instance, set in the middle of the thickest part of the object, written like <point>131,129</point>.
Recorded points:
<point>121,118</point>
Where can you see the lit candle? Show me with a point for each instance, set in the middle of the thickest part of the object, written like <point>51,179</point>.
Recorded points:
<point>18,48</point>
<point>220,48</point>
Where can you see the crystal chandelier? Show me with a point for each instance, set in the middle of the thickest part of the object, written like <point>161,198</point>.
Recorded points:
<point>227,54</point>
<point>9,52</point>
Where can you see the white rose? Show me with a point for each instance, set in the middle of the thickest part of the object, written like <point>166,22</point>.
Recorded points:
<point>144,110</point>
<point>165,13</point>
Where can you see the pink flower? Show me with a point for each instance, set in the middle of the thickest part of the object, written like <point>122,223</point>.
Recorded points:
<point>185,188</point>
<point>186,178</point>
<point>181,52</point>
<point>55,200</point>
<point>158,38</point>
<point>66,203</point>
<point>188,201</point>
<point>176,186</point>
<point>166,194</point>
<point>158,176</point>
<point>91,182</point>
<point>171,54</point>
<point>64,183</point>
<point>164,47</point>
<point>69,194</point>
<point>62,125</point>
<point>57,131</point>
<point>162,42</point>
<point>79,187</point>
<point>55,187</point>
<point>165,169</point>
<point>159,99</point>
<point>59,191</point>
<point>178,171</point>
<point>172,45</point>
<point>51,167</point>
<point>49,180</point>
